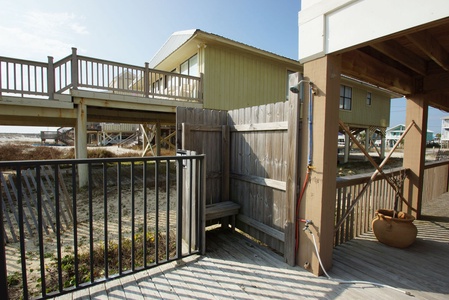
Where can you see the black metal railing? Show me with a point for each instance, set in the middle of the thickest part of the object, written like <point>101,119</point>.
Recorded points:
<point>20,77</point>
<point>135,213</point>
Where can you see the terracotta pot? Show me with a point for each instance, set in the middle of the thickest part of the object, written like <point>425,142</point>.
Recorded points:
<point>399,232</point>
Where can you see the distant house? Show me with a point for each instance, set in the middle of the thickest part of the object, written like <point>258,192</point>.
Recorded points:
<point>445,131</point>
<point>236,75</point>
<point>394,133</point>
<point>365,108</point>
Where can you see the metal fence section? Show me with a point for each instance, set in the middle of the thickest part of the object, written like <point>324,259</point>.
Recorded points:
<point>30,78</point>
<point>131,216</point>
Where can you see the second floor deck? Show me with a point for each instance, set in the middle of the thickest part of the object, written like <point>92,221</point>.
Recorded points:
<point>55,86</point>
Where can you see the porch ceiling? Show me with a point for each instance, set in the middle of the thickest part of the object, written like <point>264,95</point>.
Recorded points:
<point>415,61</point>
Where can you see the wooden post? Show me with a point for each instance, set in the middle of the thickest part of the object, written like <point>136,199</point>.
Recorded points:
<point>185,136</point>
<point>158,139</point>
<point>414,152</point>
<point>74,66</point>
<point>347,148</point>
<point>225,140</point>
<point>293,172</point>
<point>367,145</point>
<point>318,204</point>
<point>146,80</point>
<point>50,78</point>
<point>81,142</point>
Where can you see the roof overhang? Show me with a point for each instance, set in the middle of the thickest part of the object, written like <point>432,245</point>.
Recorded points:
<point>404,49</point>
<point>199,38</point>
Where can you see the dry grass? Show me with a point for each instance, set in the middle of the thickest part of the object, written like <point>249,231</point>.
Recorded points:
<point>13,152</point>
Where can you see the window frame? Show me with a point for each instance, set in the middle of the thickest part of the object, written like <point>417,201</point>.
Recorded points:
<point>345,100</point>
<point>369,98</point>
<point>188,62</point>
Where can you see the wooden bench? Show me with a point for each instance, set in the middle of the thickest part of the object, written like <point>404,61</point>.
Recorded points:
<point>223,210</point>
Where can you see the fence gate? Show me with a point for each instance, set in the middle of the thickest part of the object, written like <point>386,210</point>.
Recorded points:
<point>251,159</point>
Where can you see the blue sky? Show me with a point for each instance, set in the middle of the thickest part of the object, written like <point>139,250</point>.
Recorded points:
<point>132,31</point>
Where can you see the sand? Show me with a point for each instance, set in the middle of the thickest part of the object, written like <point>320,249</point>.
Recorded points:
<point>129,217</point>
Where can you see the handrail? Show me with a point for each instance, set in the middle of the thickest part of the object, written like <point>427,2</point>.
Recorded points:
<point>378,195</point>
<point>363,178</point>
<point>25,77</point>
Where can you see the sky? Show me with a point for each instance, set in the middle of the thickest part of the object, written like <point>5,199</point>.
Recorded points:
<point>133,31</point>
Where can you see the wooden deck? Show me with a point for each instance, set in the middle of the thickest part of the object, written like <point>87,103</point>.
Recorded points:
<point>237,268</point>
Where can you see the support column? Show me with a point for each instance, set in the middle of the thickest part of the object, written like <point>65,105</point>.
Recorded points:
<point>158,139</point>
<point>81,142</point>
<point>382,145</point>
<point>347,148</point>
<point>367,145</point>
<point>318,204</point>
<point>415,151</point>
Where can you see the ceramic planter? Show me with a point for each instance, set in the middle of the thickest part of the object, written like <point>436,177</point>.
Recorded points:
<point>399,232</point>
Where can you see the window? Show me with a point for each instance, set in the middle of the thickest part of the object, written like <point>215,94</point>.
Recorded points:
<point>345,97</point>
<point>190,66</point>
<point>368,98</point>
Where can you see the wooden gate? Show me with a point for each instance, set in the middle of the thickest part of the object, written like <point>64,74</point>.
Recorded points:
<point>252,159</point>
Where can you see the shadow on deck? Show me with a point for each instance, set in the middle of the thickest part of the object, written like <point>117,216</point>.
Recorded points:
<point>237,268</point>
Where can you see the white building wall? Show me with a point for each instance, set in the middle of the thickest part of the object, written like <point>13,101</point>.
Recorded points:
<point>445,129</point>
<point>329,26</point>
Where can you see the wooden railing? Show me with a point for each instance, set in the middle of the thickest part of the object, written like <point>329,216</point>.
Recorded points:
<point>436,180</point>
<point>378,195</point>
<point>30,78</point>
<point>381,195</point>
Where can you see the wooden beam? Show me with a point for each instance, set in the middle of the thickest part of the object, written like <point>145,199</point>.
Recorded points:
<point>126,116</point>
<point>402,55</point>
<point>272,183</point>
<point>260,126</point>
<point>431,47</point>
<point>262,227</point>
<point>437,99</point>
<point>436,82</point>
<point>366,68</point>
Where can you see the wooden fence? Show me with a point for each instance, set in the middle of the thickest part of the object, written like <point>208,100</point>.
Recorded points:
<point>251,159</point>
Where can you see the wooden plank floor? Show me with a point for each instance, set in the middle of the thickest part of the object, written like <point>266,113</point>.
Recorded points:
<point>237,268</point>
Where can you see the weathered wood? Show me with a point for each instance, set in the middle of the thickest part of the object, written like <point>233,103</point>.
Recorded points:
<point>276,184</point>
<point>279,235</point>
<point>255,172</point>
<point>292,181</point>
<point>222,210</point>
<point>225,156</point>
<point>261,126</point>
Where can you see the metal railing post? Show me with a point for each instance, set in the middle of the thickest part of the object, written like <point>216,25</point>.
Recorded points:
<point>74,69</point>
<point>146,80</point>
<point>50,78</point>
<point>3,272</point>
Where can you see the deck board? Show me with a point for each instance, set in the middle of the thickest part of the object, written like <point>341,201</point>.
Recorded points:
<point>235,267</point>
